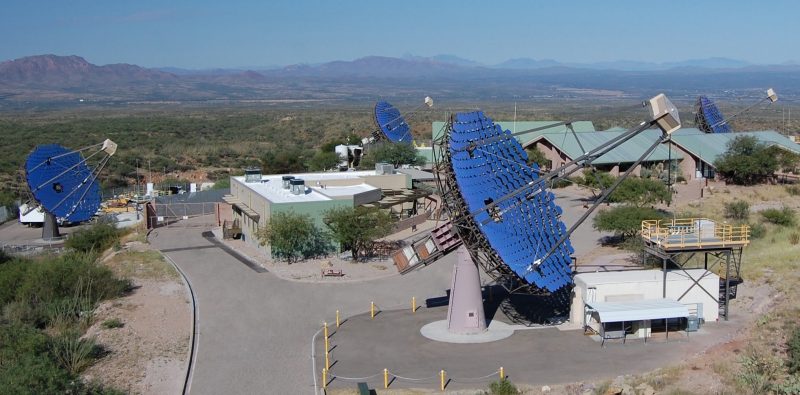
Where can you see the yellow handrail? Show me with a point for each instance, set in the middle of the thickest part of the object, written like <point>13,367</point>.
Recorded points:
<point>693,232</point>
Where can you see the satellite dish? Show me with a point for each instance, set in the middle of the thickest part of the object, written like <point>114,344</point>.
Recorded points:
<point>515,232</point>
<point>709,118</point>
<point>64,184</point>
<point>390,123</point>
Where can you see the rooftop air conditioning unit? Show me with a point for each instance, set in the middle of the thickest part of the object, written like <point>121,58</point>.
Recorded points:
<point>252,174</point>
<point>298,186</point>
<point>286,181</point>
<point>383,168</point>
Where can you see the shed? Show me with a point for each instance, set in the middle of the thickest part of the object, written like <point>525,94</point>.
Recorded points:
<point>697,289</point>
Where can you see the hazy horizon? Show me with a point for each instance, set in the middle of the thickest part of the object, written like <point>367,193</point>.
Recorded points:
<point>205,34</point>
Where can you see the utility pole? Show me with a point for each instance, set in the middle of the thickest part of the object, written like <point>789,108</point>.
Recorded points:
<point>137,178</point>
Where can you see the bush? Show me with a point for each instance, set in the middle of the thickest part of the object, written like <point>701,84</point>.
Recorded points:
<point>113,323</point>
<point>625,221</point>
<point>55,291</point>
<point>503,387</point>
<point>737,209</point>
<point>641,192</point>
<point>96,238</point>
<point>794,238</point>
<point>757,230</point>
<point>560,183</point>
<point>782,217</point>
<point>793,351</point>
<point>793,190</point>
<point>73,353</point>
<point>758,371</point>
<point>292,236</point>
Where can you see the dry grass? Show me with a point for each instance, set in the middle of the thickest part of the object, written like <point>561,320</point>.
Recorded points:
<point>141,264</point>
<point>772,260</point>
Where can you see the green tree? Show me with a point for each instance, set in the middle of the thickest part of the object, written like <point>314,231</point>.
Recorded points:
<point>323,160</point>
<point>625,221</point>
<point>641,192</point>
<point>396,154</point>
<point>538,157</point>
<point>357,228</point>
<point>292,236</point>
<point>747,161</point>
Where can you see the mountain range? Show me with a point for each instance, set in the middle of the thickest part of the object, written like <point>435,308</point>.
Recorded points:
<point>68,79</point>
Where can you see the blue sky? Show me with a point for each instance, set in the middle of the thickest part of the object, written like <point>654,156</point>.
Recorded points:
<point>207,34</point>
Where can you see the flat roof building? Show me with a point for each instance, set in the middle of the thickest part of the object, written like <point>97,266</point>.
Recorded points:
<point>313,194</point>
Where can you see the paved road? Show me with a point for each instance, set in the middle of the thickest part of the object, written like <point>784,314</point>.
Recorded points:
<point>537,356</point>
<point>255,329</point>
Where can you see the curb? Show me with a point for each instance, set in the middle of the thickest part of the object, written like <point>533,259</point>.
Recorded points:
<point>187,383</point>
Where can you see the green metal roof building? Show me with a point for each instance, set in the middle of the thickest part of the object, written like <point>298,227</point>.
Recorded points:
<point>700,149</point>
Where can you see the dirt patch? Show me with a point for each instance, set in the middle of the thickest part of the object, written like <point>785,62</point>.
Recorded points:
<point>148,353</point>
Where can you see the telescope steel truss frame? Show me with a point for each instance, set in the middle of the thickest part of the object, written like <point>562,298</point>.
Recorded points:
<point>465,225</point>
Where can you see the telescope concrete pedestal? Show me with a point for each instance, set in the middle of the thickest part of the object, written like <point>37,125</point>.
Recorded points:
<point>50,227</point>
<point>466,321</point>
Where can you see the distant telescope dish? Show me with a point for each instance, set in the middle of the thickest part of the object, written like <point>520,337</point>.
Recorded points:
<point>709,118</point>
<point>64,183</point>
<point>391,124</point>
<point>509,237</point>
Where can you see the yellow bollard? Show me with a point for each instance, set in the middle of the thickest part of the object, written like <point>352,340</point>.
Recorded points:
<point>441,379</point>
<point>502,374</point>
<point>337,318</point>
<point>385,378</point>
<point>413,304</point>
<point>371,310</point>
<point>324,378</point>
<point>327,360</point>
<point>327,345</point>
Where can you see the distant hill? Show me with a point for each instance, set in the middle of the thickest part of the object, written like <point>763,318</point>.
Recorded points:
<point>73,71</point>
<point>72,79</point>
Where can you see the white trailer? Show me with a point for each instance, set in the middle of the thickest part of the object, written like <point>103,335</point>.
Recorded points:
<point>29,215</point>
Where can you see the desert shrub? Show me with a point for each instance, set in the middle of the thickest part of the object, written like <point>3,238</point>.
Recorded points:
<point>757,230</point>
<point>28,366</point>
<point>783,216</point>
<point>793,351</point>
<point>737,209</point>
<point>794,238</point>
<point>503,387</point>
<point>97,237</point>
<point>560,183</point>
<point>72,352</point>
<point>596,179</point>
<point>625,221</point>
<point>758,371</point>
<point>113,323</point>
<point>57,291</point>
<point>793,190</point>
<point>641,192</point>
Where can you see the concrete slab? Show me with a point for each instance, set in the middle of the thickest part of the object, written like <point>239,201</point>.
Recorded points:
<point>437,330</point>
